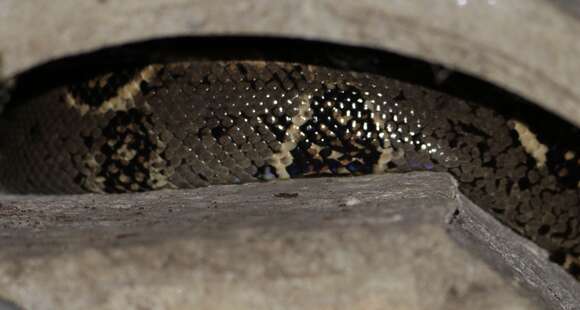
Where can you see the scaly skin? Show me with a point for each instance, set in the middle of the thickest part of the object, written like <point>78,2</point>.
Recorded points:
<point>191,124</point>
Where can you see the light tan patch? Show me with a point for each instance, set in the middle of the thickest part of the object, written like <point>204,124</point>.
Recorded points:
<point>158,177</point>
<point>91,181</point>
<point>531,144</point>
<point>388,154</point>
<point>125,94</point>
<point>569,155</point>
<point>283,157</point>
<point>570,261</point>
<point>259,64</point>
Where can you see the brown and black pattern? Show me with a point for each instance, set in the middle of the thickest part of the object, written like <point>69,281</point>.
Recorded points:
<point>198,123</point>
<point>99,90</point>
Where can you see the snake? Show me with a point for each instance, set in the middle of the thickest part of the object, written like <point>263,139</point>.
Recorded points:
<point>195,123</point>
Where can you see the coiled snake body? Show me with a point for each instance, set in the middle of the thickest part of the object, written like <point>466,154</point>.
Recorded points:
<point>196,123</point>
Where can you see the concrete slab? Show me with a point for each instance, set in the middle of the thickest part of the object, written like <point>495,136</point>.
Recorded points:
<point>372,242</point>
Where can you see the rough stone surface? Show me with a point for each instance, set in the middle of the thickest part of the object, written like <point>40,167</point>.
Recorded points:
<point>485,38</point>
<point>376,242</point>
<point>528,263</point>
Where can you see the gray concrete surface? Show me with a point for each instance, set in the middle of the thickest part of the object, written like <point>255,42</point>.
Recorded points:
<point>376,242</point>
<point>528,46</point>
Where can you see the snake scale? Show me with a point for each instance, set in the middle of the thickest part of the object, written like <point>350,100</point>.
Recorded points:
<point>196,123</point>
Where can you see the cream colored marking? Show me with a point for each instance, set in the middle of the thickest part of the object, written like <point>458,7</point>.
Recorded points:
<point>569,261</point>
<point>124,178</point>
<point>387,155</point>
<point>125,95</point>
<point>283,157</point>
<point>569,155</point>
<point>125,154</point>
<point>531,144</point>
<point>91,181</point>
<point>335,155</point>
<point>124,99</point>
<point>260,64</point>
<point>70,100</point>
<point>159,173</point>
<point>314,151</point>
<point>100,81</point>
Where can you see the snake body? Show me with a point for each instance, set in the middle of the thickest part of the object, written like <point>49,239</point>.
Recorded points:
<point>197,123</point>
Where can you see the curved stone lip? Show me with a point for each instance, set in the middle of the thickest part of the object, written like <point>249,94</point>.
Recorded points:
<point>261,233</point>
<point>483,38</point>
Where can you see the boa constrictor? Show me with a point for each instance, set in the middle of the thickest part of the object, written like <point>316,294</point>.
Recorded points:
<point>195,123</point>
